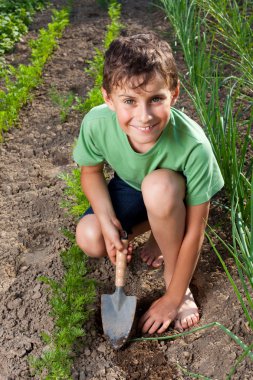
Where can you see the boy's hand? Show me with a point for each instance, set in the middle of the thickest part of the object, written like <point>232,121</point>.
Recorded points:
<point>111,233</point>
<point>159,316</point>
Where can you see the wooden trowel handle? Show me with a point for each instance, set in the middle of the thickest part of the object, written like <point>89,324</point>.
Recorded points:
<point>121,264</point>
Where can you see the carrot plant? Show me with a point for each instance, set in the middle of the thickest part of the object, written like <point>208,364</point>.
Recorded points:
<point>72,297</point>
<point>70,307</point>
<point>95,66</point>
<point>15,16</point>
<point>20,81</point>
<point>74,201</point>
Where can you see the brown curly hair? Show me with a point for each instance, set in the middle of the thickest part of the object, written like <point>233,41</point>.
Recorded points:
<point>136,59</point>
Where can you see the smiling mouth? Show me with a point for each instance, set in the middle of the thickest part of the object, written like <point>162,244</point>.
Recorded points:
<point>144,129</point>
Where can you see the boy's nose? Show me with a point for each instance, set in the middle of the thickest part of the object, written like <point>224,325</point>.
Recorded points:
<point>144,115</point>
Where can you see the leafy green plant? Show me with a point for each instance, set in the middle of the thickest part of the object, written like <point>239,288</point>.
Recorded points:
<point>70,308</point>
<point>63,101</point>
<point>75,293</point>
<point>20,81</point>
<point>95,66</point>
<point>11,6</point>
<point>74,200</point>
<point>15,16</point>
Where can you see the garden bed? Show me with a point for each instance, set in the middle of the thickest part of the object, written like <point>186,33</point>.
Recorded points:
<point>31,158</point>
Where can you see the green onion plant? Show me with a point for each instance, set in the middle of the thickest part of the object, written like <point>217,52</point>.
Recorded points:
<point>231,24</point>
<point>216,39</point>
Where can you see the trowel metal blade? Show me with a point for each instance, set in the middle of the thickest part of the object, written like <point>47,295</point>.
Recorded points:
<point>118,312</point>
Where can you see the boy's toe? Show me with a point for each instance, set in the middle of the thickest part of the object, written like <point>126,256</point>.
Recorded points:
<point>158,262</point>
<point>187,322</point>
<point>195,319</point>
<point>144,257</point>
<point>178,326</point>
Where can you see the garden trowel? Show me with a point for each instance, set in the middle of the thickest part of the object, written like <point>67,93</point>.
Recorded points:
<point>118,309</point>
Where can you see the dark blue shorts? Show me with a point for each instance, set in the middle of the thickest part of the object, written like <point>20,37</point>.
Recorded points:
<point>127,203</point>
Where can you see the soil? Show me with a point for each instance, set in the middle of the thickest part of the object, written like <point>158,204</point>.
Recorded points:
<point>31,158</point>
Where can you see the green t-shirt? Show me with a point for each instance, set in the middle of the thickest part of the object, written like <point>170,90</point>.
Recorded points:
<point>182,147</point>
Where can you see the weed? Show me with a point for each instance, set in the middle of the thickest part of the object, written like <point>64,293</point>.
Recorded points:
<point>63,101</point>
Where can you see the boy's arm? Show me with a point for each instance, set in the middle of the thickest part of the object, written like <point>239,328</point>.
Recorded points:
<point>95,188</point>
<point>163,311</point>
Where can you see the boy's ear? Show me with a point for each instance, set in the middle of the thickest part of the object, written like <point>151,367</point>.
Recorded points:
<point>175,94</point>
<point>107,99</point>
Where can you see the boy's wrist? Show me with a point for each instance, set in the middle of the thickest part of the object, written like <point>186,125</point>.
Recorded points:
<point>105,214</point>
<point>174,297</point>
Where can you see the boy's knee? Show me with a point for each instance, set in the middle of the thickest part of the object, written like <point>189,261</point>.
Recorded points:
<point>163,190</point>
<point>89,239</point>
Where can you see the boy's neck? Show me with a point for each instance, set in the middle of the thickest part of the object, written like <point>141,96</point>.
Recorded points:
<point>141,148</point>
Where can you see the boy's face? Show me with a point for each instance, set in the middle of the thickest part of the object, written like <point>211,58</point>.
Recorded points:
<point>144,112</point>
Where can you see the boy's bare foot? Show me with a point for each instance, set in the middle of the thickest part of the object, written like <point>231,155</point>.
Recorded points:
<point>151,254</point>
<point>188,314</point>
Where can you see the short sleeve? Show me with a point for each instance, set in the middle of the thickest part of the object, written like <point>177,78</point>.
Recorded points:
<point>86,151</point>
<point>203,176</point>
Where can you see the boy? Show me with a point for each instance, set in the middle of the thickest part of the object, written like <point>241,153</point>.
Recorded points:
<point>165,173</point>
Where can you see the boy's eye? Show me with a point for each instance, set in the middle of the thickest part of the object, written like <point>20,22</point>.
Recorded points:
<point>156,99</point>
<point>128,101</point>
